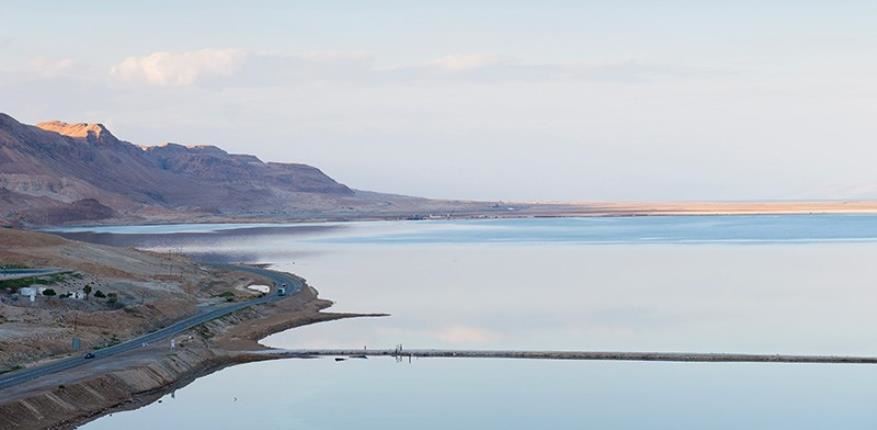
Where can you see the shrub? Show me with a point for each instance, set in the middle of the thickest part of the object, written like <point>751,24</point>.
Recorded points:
<point>99,294</point>
<point>112,298</point>
<point>49,292</point>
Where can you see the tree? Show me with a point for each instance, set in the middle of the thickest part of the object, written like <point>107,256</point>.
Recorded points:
<point>99,294</point>
<point>112,298</point>
<point>87,290</point>
<point>49,292</point>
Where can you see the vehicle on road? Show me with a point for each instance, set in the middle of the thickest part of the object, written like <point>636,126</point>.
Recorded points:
<point>21,376</point>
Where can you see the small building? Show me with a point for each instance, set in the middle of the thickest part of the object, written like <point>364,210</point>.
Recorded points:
<point>29,292</point>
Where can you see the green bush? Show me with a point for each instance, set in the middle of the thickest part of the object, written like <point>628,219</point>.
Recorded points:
<point>99,294</point>
<point>49,292</point>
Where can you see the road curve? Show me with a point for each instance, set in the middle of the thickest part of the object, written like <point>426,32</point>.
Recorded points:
<point>295,285</point>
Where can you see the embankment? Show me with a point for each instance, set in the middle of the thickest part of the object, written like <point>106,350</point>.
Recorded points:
<point>65,401</point>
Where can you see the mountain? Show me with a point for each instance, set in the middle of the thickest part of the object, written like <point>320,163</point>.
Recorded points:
<point>56,172</point>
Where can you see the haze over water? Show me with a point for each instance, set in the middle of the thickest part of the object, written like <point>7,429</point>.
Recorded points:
<point>764,284</point>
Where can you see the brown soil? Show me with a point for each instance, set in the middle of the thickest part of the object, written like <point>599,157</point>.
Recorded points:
<point>153,289</point>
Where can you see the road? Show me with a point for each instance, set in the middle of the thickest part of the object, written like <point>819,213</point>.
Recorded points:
<point>7,274</point>
<point>24,375</point>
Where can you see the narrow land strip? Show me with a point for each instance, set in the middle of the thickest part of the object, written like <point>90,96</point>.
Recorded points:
<point>576,355</point>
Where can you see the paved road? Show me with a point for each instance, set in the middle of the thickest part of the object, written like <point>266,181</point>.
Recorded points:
<point>7,274</point>
<point>24,375</point>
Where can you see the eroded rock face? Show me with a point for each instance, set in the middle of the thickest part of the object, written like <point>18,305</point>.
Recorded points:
<point>81,171</point>
<point>212,163</point>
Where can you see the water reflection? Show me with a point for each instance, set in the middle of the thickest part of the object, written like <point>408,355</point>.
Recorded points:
<point>783,296</point>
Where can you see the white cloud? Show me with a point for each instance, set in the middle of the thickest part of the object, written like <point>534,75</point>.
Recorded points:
<point>180,68</point>
<point>465,334</point>
<point>239,68</point>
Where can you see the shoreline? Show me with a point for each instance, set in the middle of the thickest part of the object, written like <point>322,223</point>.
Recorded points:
<point>217,344</point>
<point>520,210</point>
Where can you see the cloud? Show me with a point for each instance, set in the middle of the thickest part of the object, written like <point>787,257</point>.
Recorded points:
<point>239,68</point>
<point>180,68</point>
<point>464,334</point>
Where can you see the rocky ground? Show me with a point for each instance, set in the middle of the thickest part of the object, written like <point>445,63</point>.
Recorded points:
<point>129,292</point>
<point>150,290</point>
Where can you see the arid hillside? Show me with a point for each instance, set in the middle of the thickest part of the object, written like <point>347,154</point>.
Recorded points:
<point>57,172</point>
<point>99,294</point>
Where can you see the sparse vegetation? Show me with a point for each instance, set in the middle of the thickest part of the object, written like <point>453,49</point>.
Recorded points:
<point>112,298</point>
<point>113,341</point>
<point>13,285</point>
<point>12,369</point>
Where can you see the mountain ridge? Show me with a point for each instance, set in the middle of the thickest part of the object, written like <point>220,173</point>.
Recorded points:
<point>55,164</point>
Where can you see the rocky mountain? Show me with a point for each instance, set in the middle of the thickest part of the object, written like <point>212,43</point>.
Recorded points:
<point>57,172</point>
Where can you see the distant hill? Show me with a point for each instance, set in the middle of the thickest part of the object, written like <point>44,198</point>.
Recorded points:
<point>57,173</point>
<point>60,173</point>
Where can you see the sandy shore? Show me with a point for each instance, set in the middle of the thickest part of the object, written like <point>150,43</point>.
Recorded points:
<point>438,209</point>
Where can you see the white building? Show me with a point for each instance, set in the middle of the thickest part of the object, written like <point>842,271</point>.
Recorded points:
<point>29,292</point>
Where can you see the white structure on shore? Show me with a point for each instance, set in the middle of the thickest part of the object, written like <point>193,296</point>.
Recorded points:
<point>29,292</point>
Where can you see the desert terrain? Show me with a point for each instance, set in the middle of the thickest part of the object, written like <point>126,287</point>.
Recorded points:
<point>130,293</point>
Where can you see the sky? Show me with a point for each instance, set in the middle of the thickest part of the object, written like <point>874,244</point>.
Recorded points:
<point>542,101</point>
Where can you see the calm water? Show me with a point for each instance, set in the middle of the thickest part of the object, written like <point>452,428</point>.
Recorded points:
<point>784,284</point>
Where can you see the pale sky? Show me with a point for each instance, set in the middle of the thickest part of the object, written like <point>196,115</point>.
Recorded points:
<point>548,100</point>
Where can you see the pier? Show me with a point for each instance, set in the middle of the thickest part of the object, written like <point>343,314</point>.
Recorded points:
<point>399,353</point>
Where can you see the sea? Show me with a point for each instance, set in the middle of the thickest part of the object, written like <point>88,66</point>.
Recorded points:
<point>784,284</point>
